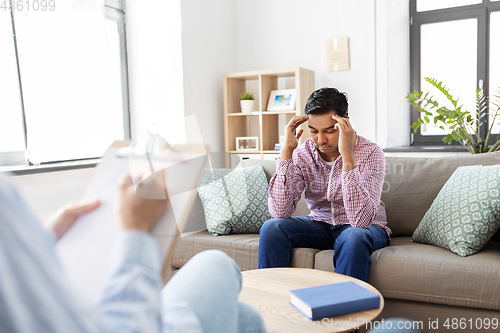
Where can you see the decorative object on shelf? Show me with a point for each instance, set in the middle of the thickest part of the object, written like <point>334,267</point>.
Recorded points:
<point>282,100</point>
<point>278,146</point>
<point>462,125</point>
<point>247,102</point>
<point>247,143</point>
<point>337,54</point>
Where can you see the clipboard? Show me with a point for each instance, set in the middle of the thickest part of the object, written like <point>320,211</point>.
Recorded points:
<point>85,249</point>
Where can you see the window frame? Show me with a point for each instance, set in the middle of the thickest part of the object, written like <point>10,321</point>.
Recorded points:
<point>114,10</point>
<point>479,11</point>
<point>16,157</point>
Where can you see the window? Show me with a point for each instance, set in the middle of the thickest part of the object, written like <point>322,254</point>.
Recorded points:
<point>12,134</point>
<point>456,42</point>
<point>66,82</point>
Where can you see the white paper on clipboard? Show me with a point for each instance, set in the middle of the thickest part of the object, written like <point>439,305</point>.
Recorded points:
<point>85,249</point>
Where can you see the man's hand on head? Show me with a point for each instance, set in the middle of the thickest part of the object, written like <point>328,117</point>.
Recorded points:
<point>292,137</point>
<point>348,140</point>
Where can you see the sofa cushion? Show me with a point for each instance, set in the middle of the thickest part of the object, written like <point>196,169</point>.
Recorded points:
<point>268,166</point>
<point>242,248</point>
<point>425,273</point>
<point>466,213</point>
<point>412,184</point>
<point>234,200</point>
<point>270,170</point>
<point>196,220</point>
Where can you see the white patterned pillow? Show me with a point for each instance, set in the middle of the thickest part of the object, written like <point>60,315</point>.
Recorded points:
<point>466,212</point>
<point>234,200</point>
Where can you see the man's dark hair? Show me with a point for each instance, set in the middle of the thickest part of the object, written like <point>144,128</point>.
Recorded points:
<point>326,100</point>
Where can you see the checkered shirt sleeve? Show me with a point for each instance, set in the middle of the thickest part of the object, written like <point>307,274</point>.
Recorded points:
<point>285,189</point>
<point>361,191</point>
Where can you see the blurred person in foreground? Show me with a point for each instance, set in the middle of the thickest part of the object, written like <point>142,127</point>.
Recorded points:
<point>37,296</point>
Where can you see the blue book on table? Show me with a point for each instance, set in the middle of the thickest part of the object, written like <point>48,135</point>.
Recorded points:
<point>333,300</point>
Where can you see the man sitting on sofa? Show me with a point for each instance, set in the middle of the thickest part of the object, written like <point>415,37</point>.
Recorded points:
<point>342,175</point>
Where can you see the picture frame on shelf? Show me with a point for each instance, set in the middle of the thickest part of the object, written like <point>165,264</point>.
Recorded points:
<point>282,100</point>
<point>247,143</point>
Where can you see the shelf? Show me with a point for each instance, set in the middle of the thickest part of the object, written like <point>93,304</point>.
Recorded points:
<point>264,113</point>
<point>287,72</point>
<point>255,151</point>
<point>245,151</point>
<point>244,76</point>
<point>268,126</point>
<point>240,114</point>
<point>280,112</point>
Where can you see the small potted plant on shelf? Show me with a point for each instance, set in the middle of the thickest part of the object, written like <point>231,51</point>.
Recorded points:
<point>461,125</point>
<point>247,102</point>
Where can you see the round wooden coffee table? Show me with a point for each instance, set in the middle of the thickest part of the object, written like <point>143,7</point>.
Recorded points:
<point>269,291</point>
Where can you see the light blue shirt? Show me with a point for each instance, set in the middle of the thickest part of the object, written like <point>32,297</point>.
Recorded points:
<point>37,296</point>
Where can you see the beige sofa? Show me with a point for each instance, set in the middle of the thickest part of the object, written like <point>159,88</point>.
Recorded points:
<point>418,281</point>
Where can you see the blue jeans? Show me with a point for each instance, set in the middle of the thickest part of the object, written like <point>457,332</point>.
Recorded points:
<point>353,246</point>
<point>210,283</point>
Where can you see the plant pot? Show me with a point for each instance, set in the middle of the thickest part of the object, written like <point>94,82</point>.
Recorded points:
<point>247,105</point>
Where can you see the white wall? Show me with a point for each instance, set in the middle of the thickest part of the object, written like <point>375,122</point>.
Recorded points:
<point>154,47</point>
<point>174,73</point>
<point>177,53</point>
<point>46,192</point>
<point>392,72</point>
<point>209,51</point>
<point>297,37</point>
<point>290,33</point>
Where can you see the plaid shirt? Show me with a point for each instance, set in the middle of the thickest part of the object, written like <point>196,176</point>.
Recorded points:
<point>353,196</point>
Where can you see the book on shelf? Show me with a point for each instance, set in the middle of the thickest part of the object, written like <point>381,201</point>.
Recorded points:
<point>333,300</point>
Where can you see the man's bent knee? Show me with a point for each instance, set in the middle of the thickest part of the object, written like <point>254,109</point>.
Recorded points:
<point>271,228</point>
<point>355,235</point>
<point>216,258</point>
<point>212,255</point>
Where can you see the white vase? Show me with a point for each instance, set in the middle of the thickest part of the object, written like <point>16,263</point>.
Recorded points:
<point>247,105</point>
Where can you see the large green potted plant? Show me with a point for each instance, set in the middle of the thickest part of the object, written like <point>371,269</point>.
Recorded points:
<point>461,125</point>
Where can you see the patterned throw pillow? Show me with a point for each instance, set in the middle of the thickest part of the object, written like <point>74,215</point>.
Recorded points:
<point>234,200</point>
<point>466,212</point>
